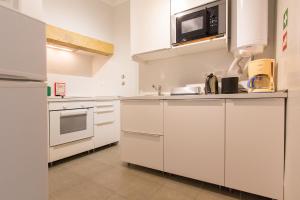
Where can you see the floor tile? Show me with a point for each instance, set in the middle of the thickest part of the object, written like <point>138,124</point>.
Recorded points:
<point>102,176</point>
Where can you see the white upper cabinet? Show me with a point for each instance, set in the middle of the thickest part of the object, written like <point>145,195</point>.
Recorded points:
<point>150,25</point>
<point>182,5</point>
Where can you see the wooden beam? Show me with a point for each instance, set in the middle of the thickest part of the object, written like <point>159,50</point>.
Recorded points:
<point>77,41</point>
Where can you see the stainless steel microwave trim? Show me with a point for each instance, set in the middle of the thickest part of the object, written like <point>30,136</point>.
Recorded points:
<point>222,18</point>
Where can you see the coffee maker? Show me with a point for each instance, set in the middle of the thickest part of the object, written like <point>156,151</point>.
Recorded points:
<point>261,75</point>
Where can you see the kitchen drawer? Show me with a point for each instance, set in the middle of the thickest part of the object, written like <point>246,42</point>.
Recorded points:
<point>142,149</point>
<point>105,106</point>
<point>70,105</point>
<point>104,117</point>
<point>105,134</point>
<point>143,116</point>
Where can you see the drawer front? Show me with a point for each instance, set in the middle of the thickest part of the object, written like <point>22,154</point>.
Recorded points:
<point>105,134</point>
<point>101,118</point>
<point>142,149</point>
<point>105,106</point>
<point>143,116</point>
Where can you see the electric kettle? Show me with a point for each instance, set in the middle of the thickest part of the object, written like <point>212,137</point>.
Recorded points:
<point>211,84</point>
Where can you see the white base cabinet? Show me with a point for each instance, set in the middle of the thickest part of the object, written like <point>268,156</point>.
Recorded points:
<point>106,123</point>
<point>194,139</point>
<point>255,146</point>
<point>143,149</point>
<point>236,143</point>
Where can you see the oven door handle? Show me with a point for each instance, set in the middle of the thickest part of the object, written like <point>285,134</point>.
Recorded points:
<point>73,113</point>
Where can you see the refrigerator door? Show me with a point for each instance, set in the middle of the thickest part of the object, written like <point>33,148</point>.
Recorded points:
<point>23,141</point>
<point>22,46</point>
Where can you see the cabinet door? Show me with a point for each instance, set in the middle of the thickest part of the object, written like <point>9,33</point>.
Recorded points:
<point>142,149</point>
<point>183,5</point>
<point>255,146</point>
<point>142,116</point>
<point>194,139</point>
<point>150,25</point>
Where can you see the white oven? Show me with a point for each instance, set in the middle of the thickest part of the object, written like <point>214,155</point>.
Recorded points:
<point>69,123</point>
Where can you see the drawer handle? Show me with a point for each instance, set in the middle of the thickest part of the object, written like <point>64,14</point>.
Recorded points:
<point>105,111</point>
<point>104,123</point>
<point>73,113</point>
<point>103,106</point>
<point>141,133</point>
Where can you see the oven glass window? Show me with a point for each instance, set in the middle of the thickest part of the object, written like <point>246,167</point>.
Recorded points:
<point>73,123</point>
<point>192,25</point>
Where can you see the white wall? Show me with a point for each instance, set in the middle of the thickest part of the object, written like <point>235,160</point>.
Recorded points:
<point>88,17</point>
<point>69,63</point>
<point>109,77</point>
<point>179,71</point>
<point>33,8</point>
<point>289,78</point>
<point>98,20</point>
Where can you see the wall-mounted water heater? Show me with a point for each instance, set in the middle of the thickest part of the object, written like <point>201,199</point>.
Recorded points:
<point>249,27</point>
<point>249,31</point>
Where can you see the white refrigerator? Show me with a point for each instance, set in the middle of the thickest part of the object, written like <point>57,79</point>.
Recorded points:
<point>23,108</point>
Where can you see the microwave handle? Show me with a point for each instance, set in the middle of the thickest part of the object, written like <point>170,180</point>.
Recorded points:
<point>73,113</point>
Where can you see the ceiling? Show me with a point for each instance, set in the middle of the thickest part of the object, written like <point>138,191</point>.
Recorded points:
<point>113,2</point>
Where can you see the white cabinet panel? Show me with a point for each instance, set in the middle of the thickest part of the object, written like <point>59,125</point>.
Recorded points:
<point>255,146</point>
<point>105,134</point>
<point>23,46</point>
<point>70,149</point>
<point>150,25</point>
<point>106,123</point>
<point>143,116</point>
<point>182,5</point>
<point>23,141</point>
<point>142,149</point>
<point>194,139</point>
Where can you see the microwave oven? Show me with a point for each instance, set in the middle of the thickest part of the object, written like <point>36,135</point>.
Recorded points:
<point>203,22</point>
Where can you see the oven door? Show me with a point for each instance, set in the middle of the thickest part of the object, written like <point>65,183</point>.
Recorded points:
<point>70,125</point>
<point>191,26</point>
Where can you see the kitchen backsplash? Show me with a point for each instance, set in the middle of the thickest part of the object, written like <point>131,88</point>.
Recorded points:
<point>179,71</point>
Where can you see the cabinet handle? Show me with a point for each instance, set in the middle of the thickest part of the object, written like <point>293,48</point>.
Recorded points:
<point>104,106</point>
<point>141,133</point>
<point>104,123</point>
<point>104,111</point>
<point>203,99</point>
<point>73,113</point>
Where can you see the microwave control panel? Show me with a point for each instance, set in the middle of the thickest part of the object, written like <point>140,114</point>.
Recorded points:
<point>213,22</point>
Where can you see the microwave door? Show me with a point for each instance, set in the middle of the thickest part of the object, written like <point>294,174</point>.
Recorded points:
<point>191,26</point>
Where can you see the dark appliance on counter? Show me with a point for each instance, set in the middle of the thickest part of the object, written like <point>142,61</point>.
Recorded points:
<point>206,21</point>
<point>211,85</point>
<point>230,85</point>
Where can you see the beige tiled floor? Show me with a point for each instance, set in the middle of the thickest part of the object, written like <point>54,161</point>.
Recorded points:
<point>102,176</point>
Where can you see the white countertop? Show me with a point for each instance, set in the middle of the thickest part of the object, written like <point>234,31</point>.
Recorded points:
<point>212,96</point>
<point>68,99</point>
